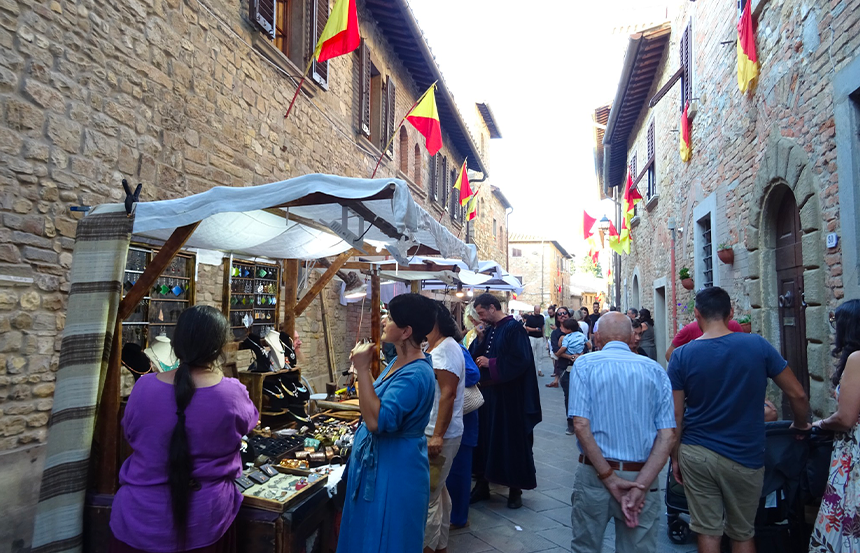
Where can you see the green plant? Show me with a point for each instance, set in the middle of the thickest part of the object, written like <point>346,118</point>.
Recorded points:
<point>684,273</point>
<point>743,319</point>
<point>723,246</point>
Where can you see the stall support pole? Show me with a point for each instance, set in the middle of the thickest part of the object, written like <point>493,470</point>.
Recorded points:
<point>291,285</point>
<point>415,286</point>
<point>321,283</point>
<point>375,320</point>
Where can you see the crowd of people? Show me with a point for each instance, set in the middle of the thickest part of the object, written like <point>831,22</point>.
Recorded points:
<point>422,437</point>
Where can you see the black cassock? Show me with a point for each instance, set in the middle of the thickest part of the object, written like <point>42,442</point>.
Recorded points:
<point>511,407</point>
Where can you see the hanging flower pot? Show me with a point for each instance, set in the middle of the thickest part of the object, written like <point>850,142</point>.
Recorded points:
<point>688,283</point>
<point>746,327</point>
<point>726,254</point>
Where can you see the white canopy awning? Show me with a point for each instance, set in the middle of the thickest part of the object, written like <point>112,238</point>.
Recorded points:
<point>290,219</point>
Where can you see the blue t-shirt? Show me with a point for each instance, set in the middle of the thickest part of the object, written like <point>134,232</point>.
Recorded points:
<point>724,380</point>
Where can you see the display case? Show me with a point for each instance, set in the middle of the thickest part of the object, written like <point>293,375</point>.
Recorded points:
<point>251,291</point>
<point>158,312</point>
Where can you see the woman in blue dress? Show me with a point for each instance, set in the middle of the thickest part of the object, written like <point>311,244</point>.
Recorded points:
<point>388,477</point>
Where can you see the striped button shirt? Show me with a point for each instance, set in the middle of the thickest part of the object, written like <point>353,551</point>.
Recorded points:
<point>626,398</point>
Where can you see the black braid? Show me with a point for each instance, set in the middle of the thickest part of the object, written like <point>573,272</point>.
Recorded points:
<point>179,456</point>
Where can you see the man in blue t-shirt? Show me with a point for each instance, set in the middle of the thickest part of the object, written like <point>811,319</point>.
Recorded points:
<point>722,378</point>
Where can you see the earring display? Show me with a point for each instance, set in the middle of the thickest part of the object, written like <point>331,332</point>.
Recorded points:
<point>251,296</point>
<point>171,293</point>
<point>278,492</point>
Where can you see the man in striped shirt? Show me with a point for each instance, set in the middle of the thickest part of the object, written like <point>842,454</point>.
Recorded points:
<point>623,417</point>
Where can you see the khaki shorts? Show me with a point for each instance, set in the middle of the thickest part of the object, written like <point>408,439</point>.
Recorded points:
<point>723,495</point>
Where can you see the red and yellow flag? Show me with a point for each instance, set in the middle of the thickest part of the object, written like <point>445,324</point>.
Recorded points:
<point>425,118</point>
<point>615,240</point>
<point>747,58</point>
<point>686,144</point>
<point>462,185</point>
<point>587,225</point>
<point>340,35</point>
<point>472,208</point>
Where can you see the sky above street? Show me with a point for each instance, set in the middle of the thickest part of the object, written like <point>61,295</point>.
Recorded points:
<point>543,71</point>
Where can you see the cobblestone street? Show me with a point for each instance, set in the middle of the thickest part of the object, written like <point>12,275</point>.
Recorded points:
<point>544,519</point>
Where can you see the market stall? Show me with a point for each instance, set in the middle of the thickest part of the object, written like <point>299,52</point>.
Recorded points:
<point>262,233</point>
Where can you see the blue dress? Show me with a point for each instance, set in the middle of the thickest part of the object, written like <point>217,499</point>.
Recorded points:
<point>388,478</point>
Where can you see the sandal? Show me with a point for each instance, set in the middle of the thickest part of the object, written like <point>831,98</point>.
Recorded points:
<point>551,385</point>
<point>540,373</point>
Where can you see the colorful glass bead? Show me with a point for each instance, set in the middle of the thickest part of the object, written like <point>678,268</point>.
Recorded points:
<point>164,289</point>
<point>177,290</point>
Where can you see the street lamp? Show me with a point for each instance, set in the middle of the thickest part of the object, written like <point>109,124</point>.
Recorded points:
<point>602,227</point>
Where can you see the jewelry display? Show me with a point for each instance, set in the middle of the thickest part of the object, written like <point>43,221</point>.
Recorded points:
<point>251,296</point>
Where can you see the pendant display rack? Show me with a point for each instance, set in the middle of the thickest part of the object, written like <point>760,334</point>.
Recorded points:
<point>159,310</point>
<point>251,297</point>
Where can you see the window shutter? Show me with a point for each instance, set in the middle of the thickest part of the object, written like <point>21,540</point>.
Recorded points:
<point>686,85</point>
<point>633,165</point>
<point>444,182</point>
<point>262,13</point>
<point>319,17</point>
<point>389,122</point>
<point>364,89</point>
<point>434,177</point>
<point>383,123</point>
<point>651,141</point>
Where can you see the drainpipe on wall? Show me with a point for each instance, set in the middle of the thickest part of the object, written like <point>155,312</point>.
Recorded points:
<point>672,226</point>
<point>508,211</point>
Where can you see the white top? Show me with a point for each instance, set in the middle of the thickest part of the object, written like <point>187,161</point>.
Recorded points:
<point>584,327</point>
<point>448,356</point>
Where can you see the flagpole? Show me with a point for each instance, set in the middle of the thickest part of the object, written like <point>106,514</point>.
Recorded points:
<point>391,139</point>
<point>298,88</point>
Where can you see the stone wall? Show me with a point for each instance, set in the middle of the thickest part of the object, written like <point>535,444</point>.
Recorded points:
<point>540,258</point>
<point>175,94</point>
<point>737,141</point>
<point>490,245</point>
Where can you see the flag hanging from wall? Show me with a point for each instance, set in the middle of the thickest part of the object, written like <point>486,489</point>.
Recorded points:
<point>472,208</point>
<point>340,35</point>
<point>686,143</point>
<point>747,57</point>
<point>462,185</point>
<point>425,118</point>
<point>615,239</point>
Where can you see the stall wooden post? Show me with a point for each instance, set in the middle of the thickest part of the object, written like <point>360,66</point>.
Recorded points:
<point>291,285</point>
<point>375,320</point>
<point>415,286</point>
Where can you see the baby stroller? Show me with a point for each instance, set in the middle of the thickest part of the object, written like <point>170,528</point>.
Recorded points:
<point>795,473</point>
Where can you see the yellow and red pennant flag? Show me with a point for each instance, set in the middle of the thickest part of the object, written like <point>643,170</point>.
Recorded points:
<point>615,240</point>
<point>340,35</point>
<point>747,57</point>
<point>425,118</point>
<point>472,208</point>
<point>462,185</point>
<point>686,144</point>
<point>587,225</point>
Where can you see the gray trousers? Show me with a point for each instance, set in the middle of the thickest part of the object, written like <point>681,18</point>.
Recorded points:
<point>593,506</point>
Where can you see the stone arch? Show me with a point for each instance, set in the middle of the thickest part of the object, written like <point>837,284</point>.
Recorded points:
<point>785,168</point>
<point>404,151</point>
<point>635,290</point>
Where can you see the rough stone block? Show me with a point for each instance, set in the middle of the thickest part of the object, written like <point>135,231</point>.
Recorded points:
<point>805,187</point>
<point>821,399</point>
<point>817,323</point>
<point>40,255</point>
<point>819,360</point>
<point>65,133</point>
<point>751,239</point>
<point>754,263</point>
<point>810,215</point>
<point>21,115</point>
<point>814,287</point>
<point>753,290</point>
<point>813,249</point>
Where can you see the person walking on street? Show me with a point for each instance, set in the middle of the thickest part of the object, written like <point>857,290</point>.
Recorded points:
<point>592,319</point>
<point>648,342</point>
<point>511,407</point>
<point>548,327</point>
<point>835,527</point>
<point>719,382</point>
<point>534,324</point>
<point>621,404</point>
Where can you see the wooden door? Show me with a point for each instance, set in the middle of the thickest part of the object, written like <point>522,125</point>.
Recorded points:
<point>789,274</point>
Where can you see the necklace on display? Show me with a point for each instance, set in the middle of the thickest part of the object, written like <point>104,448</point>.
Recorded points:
<point>164,366</point>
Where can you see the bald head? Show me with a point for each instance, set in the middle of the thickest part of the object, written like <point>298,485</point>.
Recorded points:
<point>614,327</point>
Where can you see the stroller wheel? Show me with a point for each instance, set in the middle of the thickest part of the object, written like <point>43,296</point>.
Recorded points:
<point>678,531</point>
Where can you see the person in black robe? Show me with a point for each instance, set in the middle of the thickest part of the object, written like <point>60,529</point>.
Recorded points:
<point>511,407</point>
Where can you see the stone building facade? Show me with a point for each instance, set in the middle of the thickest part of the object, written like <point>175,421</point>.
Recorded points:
<point>772,176</point>
<point>181,95</point>
<point>543,267</point>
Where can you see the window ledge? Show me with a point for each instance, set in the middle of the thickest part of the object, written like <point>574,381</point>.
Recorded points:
<point>264,46</point>
<point>414,188</point>
<point>634,222</point>
<point>652,202</point>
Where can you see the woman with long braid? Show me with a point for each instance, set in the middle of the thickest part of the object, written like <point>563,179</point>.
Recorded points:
<point>185,427</point>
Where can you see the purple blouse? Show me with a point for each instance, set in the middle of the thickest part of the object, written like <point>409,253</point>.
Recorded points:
<point>216,419</point>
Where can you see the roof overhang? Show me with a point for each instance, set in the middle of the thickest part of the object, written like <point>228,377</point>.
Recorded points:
<point>489,120</point>
<point>501,196</point>
<point>401,30</point>
<point>600,118</point>
<point>526,239</point>
<point>642,62</point>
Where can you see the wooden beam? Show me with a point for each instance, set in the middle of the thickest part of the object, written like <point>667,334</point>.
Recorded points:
<point>367,266</point>
<point>375,322</point>
<point>291,285</point>
<point>324,279</point>
<point>371,218</point>
<point>160,262</point>
<point>329,340</point>
<point>320,198</point>
<point>107,432</point>
<point>666,87</point>
<point>415,286</point>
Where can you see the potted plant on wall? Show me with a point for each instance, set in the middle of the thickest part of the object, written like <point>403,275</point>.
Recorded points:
<point>686,281</point>
<point>726,253</point>
<point>746,324</point>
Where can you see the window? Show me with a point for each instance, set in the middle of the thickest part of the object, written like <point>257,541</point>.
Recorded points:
<point>443,180</point>
<point>434,176</point>
<point>686,53</point>
<point>376,102</point>
<point>495,224</point>
<point>516,252</point>
<point>455,198</point>
<point>404,151</point>
<point>501,238</point>
<point>419,165</point>
<point>633,175</point>
<point>652,174</point>
<point>706,251</point>
<point>284,22</point>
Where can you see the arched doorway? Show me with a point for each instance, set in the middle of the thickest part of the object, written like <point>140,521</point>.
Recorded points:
<point>635,301</point>
<point>788,260</point>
